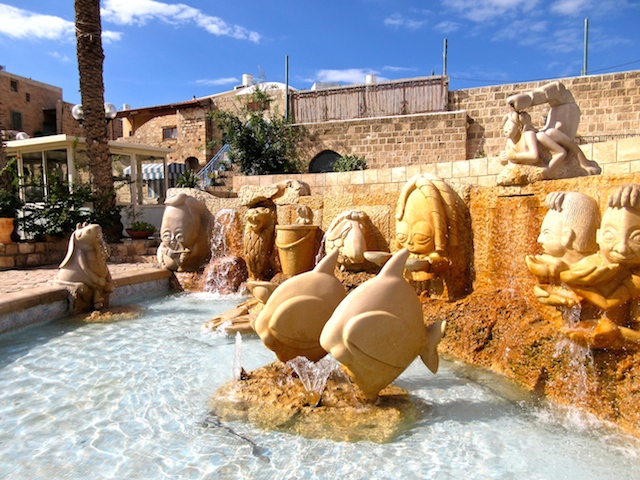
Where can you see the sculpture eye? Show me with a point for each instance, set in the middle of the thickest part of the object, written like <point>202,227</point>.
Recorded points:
<point>401,237</point>
<point>421,239</point>
<point>608,235</point>
<point>635,237</point>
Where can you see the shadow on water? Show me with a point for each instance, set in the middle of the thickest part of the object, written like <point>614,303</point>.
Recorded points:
<point>212,421</point>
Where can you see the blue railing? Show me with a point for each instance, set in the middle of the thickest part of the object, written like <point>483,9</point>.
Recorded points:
<point>212,165</point>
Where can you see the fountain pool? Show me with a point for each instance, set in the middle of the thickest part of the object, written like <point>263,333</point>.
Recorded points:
<point>129,400</point>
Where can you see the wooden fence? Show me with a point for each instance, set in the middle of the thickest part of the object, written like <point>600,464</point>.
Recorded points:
<point>399,97</point>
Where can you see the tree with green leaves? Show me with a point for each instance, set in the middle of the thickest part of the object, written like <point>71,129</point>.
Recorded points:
<point>261,142</point>
<point>90,68</point>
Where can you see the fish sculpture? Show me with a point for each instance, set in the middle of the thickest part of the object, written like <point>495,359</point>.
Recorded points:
<point>295,312</point>
<point>378,330</point>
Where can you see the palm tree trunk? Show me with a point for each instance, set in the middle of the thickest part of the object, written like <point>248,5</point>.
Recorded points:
<point>90,69</point>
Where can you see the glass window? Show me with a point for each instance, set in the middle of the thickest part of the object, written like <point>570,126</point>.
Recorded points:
<point>122,179</point>
<point>151,173</point>
<point>16,120</point>
<point>169,132</point>
<point>33,178</point>
<point>56,165</point>
<point>14,85</point>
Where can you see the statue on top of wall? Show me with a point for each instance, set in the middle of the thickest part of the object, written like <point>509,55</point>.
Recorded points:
<point>550,152</point>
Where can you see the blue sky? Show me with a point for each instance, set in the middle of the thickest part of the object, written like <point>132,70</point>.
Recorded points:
<point>160,52</point>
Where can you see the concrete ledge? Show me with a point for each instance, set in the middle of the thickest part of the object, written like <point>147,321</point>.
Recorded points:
<point>12,302</point>
<point>140,276</point>
<point>50,302</point>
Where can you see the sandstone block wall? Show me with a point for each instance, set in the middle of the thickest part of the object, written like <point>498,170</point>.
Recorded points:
<point>391,141</point>
<point>615,157</point>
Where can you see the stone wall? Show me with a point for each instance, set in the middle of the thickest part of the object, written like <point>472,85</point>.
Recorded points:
<point>30,99</point>
<point>34,254</point>
<point>194,131</point>
<point>620,156</point>
<point>391,141</point>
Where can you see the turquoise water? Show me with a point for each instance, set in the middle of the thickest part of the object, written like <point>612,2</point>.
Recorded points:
<point>128,400</point>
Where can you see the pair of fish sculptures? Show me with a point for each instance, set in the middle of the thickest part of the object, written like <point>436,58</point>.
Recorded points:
<point>375,332</point>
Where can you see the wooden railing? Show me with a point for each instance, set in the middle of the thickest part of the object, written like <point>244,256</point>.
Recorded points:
<point>399,97</point>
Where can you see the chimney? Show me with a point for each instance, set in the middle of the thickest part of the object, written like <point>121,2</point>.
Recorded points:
<point>247,80</point>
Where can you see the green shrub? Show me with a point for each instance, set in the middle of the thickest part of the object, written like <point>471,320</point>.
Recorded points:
<point>349,163</point>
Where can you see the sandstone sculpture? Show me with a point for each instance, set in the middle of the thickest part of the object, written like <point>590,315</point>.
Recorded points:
<point>295,312</point>
<point>567,235</point>
<point>185,243</point>
<point>259,241</point>
<point>297,243</point>
<point>606,284</point>
<point>85,267</point>
<point>378,330</point>
<point>347,233</point>
<point>550,152</point>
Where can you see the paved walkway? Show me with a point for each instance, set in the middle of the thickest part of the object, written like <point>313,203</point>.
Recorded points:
<point>21,279</point>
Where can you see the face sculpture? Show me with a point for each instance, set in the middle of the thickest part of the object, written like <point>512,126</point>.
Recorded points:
<point>184,234</point>
<point>347,234</point>
<point>619,236</point>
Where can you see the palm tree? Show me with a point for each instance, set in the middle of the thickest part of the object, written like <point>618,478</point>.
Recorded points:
<point>90,69</point>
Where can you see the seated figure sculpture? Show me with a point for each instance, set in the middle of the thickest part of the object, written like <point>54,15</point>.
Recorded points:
<point>606,284</point>
<point>347,234</point>
<point>85,266</point>
<point>567,235</point>
<point>295,312</point>
<point>184,233</point>
<point>259,241</point>
<point>551,151</point>
<point>378,330</point>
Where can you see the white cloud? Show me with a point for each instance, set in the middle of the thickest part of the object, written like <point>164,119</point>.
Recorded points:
<point>349,75</point>
<point>399,21</point>
<point>18,23</point>
<point>61,57</point>
<point>23,24</point>
<point>487,10</point>
<point>570,7</point>
<point>447,26</point>
<point>218,81</point>
<point>139,12</point>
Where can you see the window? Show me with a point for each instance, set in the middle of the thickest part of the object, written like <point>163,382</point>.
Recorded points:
<point>169,132</point>
<point>16,120</point>
<point>14,85</point>
<point>28,97</point>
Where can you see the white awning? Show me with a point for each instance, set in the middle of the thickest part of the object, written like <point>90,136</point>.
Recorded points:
<point>155,171</point>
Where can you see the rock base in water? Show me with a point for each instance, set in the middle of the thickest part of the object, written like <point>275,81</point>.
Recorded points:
<point>271,398</point>
<point>113,314</point>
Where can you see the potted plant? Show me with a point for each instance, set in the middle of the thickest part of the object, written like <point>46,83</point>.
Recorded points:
<point>10,202</point>
<point>140,229</point>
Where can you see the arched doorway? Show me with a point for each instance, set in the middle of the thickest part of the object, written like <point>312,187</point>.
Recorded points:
<point>323,162</point>
<point>192,164</point>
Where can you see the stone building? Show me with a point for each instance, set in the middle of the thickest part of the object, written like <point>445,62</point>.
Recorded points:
<point>399,123</point>
<point>33,107</point>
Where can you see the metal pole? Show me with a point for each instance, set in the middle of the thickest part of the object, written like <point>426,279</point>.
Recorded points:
<point>586,46</point>
<point>286,89</point>
<point>444,59</point>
